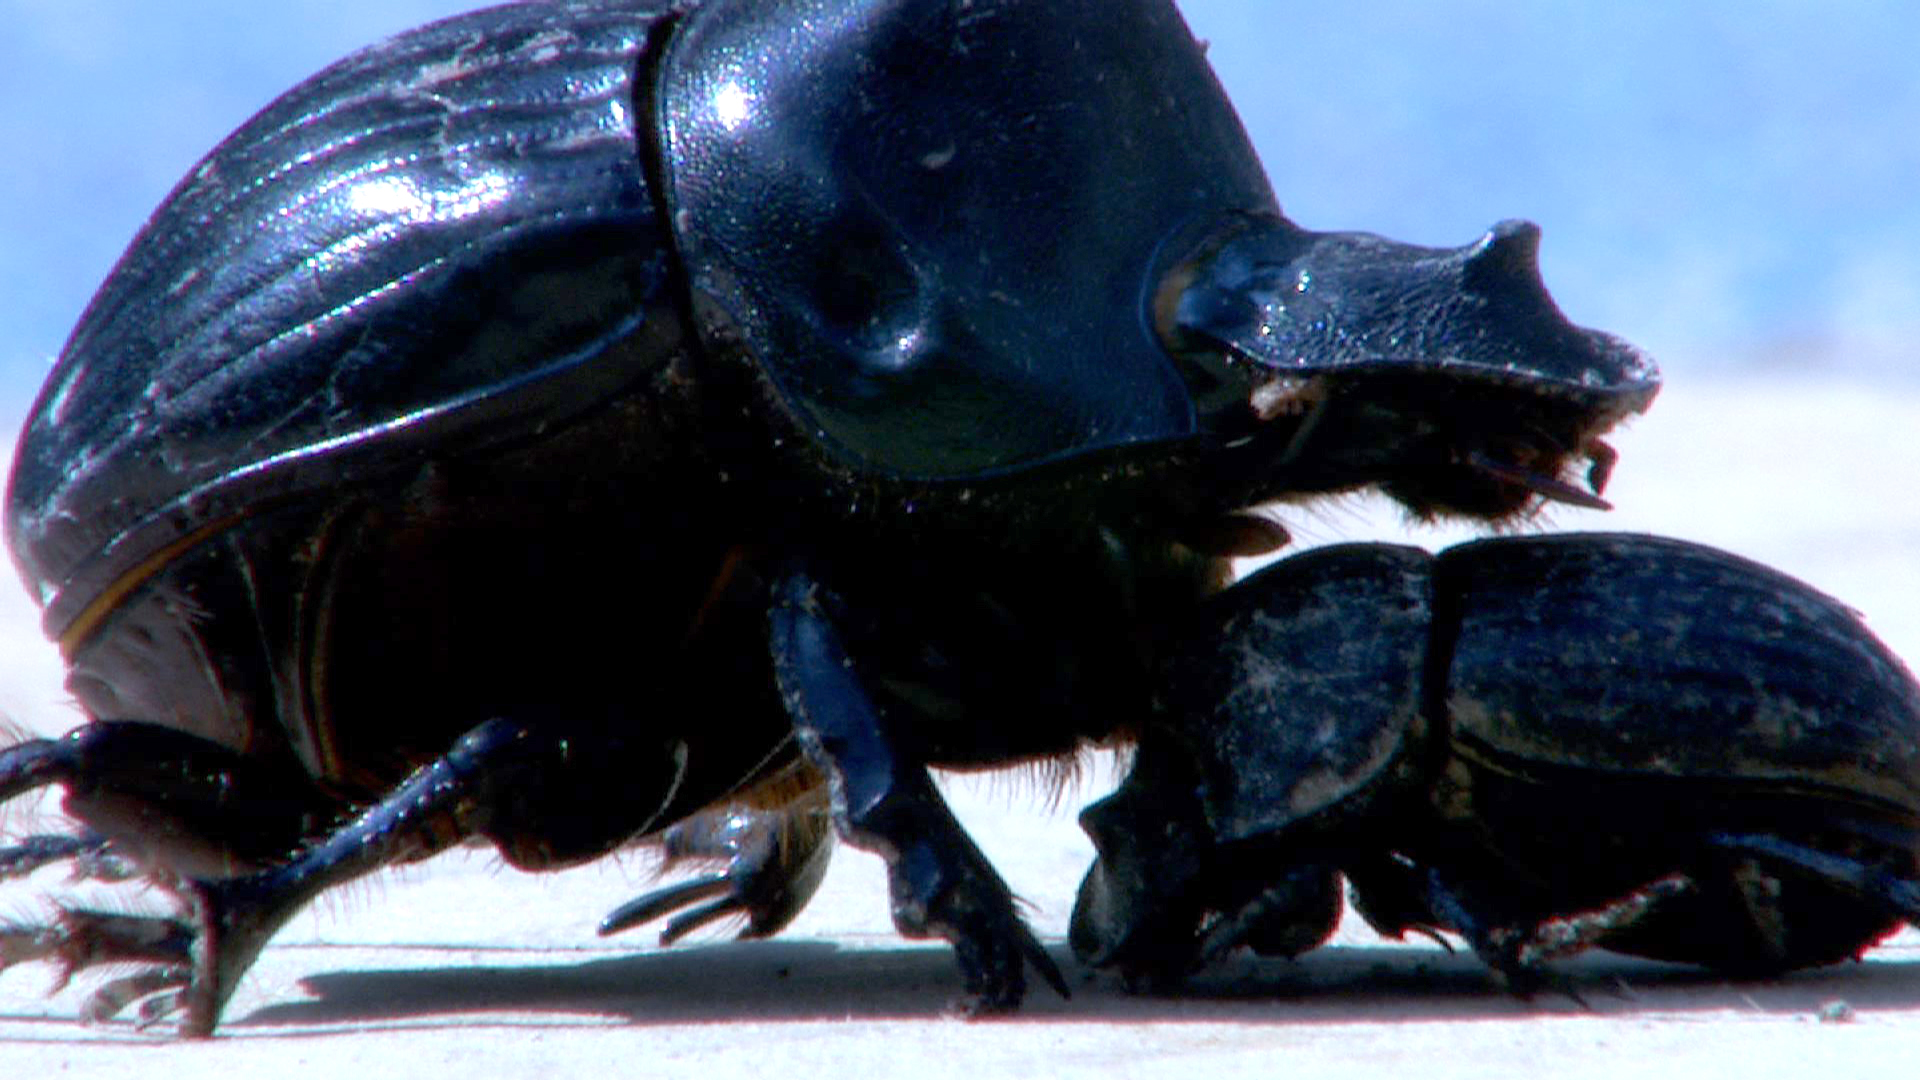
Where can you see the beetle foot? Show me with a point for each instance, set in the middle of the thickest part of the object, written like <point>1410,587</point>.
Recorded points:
<point>884,801</point>
<point>158,990</point>
<point>775,861</point>
<point>91,854</point>
<point>1293,915</point>
<point>191,963</point>
<point>81,938</point>
<point>234,918</point>
<point>1499,945</point>
<point>944,887</point>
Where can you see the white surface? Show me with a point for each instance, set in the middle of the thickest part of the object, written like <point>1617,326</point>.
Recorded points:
<point>460,963</point>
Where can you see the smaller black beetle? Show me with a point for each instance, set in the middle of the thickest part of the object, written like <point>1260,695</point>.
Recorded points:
<point>1541,744</point>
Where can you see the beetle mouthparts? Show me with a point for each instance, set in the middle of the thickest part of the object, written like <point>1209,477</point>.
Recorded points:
<point>1550,487</point>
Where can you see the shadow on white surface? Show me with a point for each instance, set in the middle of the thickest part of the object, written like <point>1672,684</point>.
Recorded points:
<point>808,981</point>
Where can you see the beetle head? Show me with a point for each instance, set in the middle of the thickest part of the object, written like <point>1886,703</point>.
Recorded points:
<point>1447,377</point>
<point>943,232</point>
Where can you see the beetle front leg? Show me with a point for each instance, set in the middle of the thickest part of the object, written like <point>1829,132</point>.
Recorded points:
<point>882,801</point>
<point>1164,899</point>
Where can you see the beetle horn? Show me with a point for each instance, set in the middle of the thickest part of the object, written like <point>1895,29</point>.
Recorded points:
<point>1301,304</point>
<point>1446,377</point>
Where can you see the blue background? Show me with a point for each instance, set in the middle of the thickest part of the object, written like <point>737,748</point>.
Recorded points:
<point>1734,185</point>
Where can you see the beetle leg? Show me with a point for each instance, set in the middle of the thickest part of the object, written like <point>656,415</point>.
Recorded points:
<point>1453,909</point>
<point>1389,892</point>
<point>1142,904</point>
<point>1499,944</point>
<point>1565,935</point>
<point>432,810</point>
<point>79,939</point>
<point>942,885</point>
<point>91,853</point>
<point>1899,895</point>
<point>1294,913</point>
<point>495,777</point>
<point>1517,952</point>
<point>775,861</point>
<point>1164,898</point>
<point>158,797</point>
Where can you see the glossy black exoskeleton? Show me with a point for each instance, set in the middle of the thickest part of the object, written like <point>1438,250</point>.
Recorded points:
<point>1541,744</point>
<point>564,419</point>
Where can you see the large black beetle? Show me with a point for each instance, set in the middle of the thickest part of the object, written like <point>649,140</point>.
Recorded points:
<point>1543,744</point>
<point>529,426</point>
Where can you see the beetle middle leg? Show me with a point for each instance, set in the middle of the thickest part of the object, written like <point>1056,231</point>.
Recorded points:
<point>1396,896</point>
<point>884,801</point>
